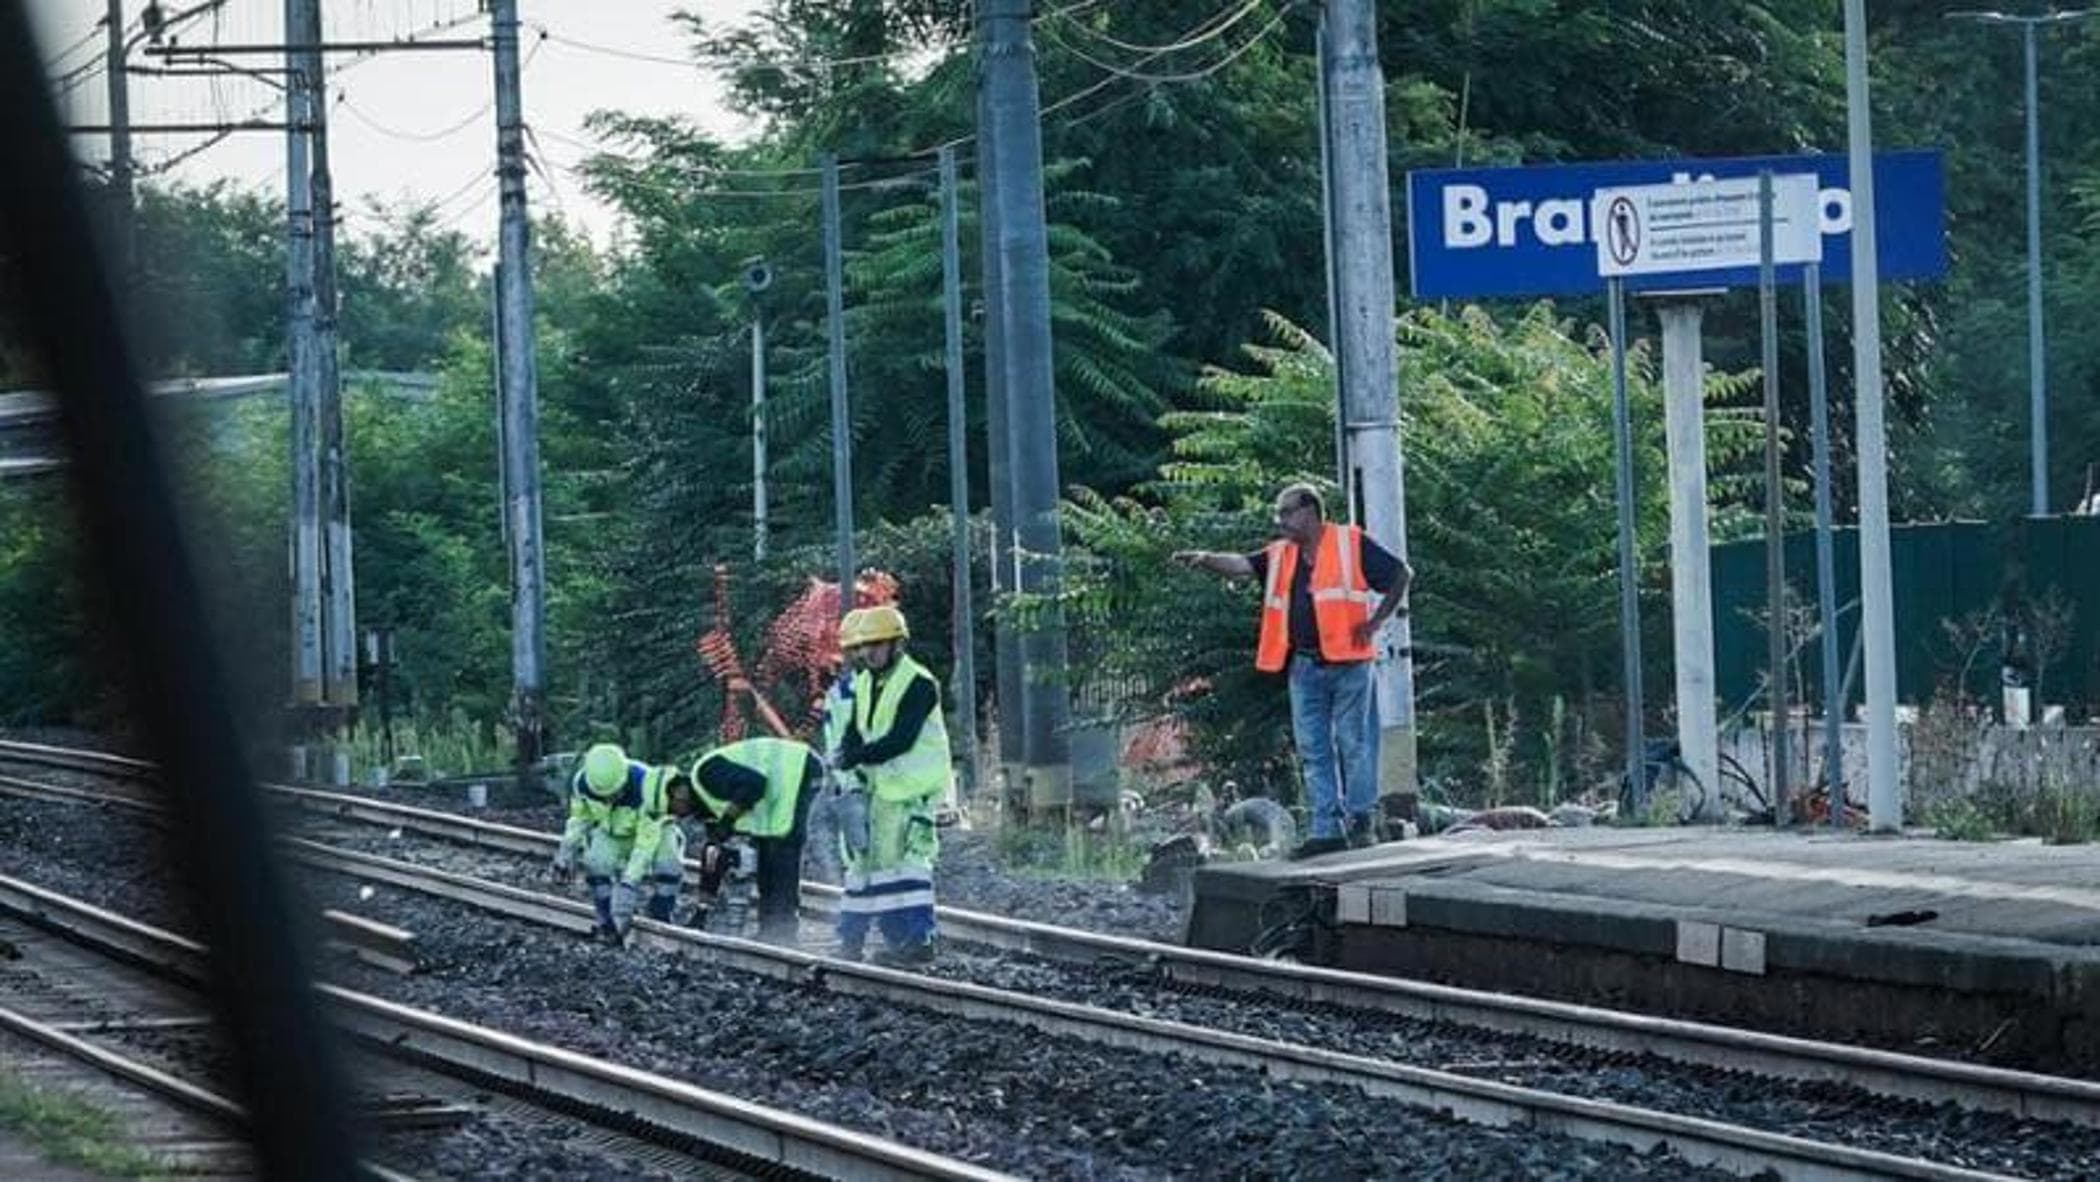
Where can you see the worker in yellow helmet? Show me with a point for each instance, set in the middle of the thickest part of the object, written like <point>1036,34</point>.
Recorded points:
<point>838,700</point>
<point>620,823</point>
<point>894,749</point>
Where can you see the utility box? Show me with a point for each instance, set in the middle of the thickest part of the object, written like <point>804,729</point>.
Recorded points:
<point>1097,745</point>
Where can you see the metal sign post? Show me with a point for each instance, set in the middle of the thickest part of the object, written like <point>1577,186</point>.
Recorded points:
<point>1629,577</point>
<point>1775,501</point>
<point>1826,571</point>
<point>1690,229</point>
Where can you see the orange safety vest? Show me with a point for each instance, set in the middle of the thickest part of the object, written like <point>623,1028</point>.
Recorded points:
<point>1341,599</point>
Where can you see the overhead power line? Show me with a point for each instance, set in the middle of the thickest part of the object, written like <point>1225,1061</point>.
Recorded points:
<point>1121,72</point>
<point>1187,41</point>
<point>722,61</point>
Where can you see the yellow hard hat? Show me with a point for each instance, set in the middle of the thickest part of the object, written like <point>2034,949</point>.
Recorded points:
<point>604,768</point>
<point>882,622</point>
<point>849,628</point>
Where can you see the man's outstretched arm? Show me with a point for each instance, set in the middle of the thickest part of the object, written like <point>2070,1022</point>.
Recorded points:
<point>1230,565</point>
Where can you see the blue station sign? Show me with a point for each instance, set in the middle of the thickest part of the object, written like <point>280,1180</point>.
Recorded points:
<point>1476,233</point>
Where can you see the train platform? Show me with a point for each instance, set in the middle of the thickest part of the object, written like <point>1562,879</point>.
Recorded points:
<point>1986,950</point>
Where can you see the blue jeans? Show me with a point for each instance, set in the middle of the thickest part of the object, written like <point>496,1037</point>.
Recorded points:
<point>1332,727</point>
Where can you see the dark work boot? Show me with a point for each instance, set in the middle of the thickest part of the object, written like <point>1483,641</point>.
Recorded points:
<point>910,956</point>
<point>1313,847</point>
<point>1363,831</point>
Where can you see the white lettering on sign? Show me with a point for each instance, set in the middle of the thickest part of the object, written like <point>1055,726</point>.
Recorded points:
<point>1465,216</point>
<point>1473,219</point>
<point>1560,223</point>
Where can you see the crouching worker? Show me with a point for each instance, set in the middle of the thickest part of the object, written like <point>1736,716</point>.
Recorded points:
<point>620,825</point>
<point>893,760</point>
<point>760,788</point>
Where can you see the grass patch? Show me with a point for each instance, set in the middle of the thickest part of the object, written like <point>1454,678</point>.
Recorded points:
<point>444,747</point>
<point>1072,851</point>
<point>70,1131</point>
<point>1960,819</point>
<point>2066,816</point>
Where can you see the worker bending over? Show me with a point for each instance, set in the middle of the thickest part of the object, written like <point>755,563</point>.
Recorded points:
<point>760,788</point>
<point>620,823</point>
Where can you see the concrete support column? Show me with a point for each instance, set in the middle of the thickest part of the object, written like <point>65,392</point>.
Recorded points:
<point>1691,584</point>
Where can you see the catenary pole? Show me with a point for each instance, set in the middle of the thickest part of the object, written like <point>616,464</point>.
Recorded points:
<point>1031,396</point>
<point>962,682</point>
<point>841,419</point>
<point>1361,240</point>
<point>1006,639</point>
<point>1877,598</point>
<point>758,432</point>
<point>123,226</point>
<point>520,398</point>
<point>338,582</point>
<point>303,363</point>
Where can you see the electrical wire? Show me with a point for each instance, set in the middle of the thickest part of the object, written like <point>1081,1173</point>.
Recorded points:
<point>891,182</point>
<point>343,100</point>
<point>52,63</point>
<point>713,170</point>
<point>215,8</point>
<point>1115,75</point>
<point>1119,72</point>
<point>1188,41</point>
<point>722,61</point>
<point>472,207</point>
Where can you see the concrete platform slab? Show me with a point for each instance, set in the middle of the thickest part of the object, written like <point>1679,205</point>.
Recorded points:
<point>1904,941</point>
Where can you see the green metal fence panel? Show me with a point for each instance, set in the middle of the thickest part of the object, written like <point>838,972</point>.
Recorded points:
<point>1953,581</point>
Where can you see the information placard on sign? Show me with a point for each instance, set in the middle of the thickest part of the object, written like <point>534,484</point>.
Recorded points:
<point>1703,225</point>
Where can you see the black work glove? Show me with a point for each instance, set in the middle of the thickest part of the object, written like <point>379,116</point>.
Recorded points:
<point>850,751</point>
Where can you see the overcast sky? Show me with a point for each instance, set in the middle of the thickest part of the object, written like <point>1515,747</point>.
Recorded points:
<point>408,124</point>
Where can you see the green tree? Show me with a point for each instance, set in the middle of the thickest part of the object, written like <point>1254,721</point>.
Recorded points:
<point>408,286</point>
<point>1507,436</point>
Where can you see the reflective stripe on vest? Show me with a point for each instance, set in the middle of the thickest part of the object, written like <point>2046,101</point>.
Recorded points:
<point>921,771</point>
<point>1341,599</point>
<point>783,762</point>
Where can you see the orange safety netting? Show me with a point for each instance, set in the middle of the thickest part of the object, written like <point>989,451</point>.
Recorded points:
<point>799,653</point>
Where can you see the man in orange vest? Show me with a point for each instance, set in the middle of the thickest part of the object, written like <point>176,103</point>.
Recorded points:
<point>1319,584</point>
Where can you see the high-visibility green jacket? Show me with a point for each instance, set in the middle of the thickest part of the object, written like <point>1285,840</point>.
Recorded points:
<point>636,812</point>
<point>900,766</point>
<point>765,777</point>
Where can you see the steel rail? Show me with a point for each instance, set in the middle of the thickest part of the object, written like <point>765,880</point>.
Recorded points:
<point>534,1069</point>
<point>1700,1141</point>
<point>152,1080</point>
<point>1888,1073</point>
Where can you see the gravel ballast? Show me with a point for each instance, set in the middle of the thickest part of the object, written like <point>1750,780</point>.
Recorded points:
<point>1827,1112</point>
<point>988,1091</point>
<point>1817,1111</point>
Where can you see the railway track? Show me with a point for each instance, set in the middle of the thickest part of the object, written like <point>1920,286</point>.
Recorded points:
<point>1884,1073</point>
<point>1484,1100</point>
<point>654,1108</point>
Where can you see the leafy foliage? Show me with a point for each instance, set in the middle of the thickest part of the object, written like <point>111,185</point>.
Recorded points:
<point>1507,434</point>
<point>1185,200</point>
